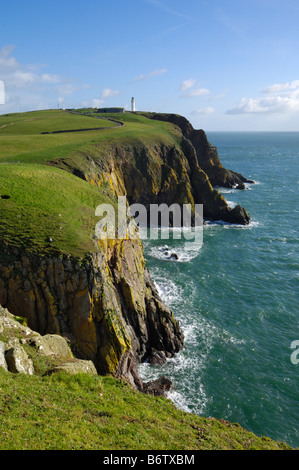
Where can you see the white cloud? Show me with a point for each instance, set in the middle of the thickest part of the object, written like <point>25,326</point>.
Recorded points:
<point>273,104</point>
<point>186,84</point>
<point>171,11</point>
<point>196,92</point>
<point>277,87</point>
<point>199,92</point>
<point>281,98</point>
<point>16,75</point>
<point>30,86</point>
<point>203,111</point>
<point>154,73</point>
<point>192,92</point>
<point>7,62</point>
<point>108,92</point>
<point>97,103</point>
<point>2,92</point>
<point>67,89</point>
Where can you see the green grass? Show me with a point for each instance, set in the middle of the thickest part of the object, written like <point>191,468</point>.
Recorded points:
<point>39,192</point>
<point>22,140</point>
<point>23,137</point>
<point>46,202</point>
<point>81,412</point>
<point>39,122</point>
<point>65,412</point>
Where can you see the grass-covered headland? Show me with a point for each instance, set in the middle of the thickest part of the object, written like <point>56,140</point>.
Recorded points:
<point>46,209</point>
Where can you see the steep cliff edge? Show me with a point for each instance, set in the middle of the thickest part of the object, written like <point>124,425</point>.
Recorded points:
<point>207,154</point>
<point>49,399</point>
<point>169,170</point>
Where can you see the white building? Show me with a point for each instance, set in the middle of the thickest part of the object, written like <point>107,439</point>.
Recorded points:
<point>133,104</point>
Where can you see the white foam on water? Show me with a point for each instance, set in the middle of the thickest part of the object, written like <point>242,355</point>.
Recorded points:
<point>179,400</point>
<point>187,368</point>
<point>181,254</point>
<point>223,190</point>
<point>184,252</point>
<point>169,292</point>
<point>221,223</point>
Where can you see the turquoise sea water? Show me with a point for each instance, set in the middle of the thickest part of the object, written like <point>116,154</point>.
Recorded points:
<point>237,297</point>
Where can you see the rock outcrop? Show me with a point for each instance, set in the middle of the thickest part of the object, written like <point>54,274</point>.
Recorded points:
<point>14,358</point>
<point>107,306</point>
<point>207,154</point>
<point>156,174</point>
<point>21,348</point>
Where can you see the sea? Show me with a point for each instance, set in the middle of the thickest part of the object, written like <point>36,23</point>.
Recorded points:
<point>236,295</point>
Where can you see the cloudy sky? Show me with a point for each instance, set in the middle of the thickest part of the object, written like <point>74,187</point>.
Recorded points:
<point>224,64</point>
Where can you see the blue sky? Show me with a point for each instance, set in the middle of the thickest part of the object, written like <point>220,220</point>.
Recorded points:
<point>226,65</point>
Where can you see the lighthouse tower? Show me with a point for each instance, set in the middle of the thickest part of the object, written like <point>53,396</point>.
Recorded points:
<point>133,105</point>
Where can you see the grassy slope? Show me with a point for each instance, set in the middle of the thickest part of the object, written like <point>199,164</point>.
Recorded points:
<point>24,142</point>
<point>101,413</point>
<point>48,203</point>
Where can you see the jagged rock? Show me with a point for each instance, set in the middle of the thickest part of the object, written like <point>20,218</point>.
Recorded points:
<point>159,387</point>
<point>2,356</point>
<point>52,345</point>
<point>126,370</point>
<point>207,154</point>
<point>241,186</point>
<point>164,174</point>
<point>17,359</point>
<point>157,357</point>
<point>239,215</point>
<point>107,306</point>
<point>77,366</point>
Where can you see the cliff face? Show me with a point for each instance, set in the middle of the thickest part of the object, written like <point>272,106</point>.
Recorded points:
<point>207,155</point>
<point>156,174</point>
<point>106,306</point>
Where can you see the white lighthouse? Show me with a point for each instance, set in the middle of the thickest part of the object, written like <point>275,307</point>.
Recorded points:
<point>133,105</point>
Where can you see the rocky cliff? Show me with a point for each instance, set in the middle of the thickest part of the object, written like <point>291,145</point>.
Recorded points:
<point>206,154</point>
<point>183,172</point>
<point>107,305</point>
<point>99,294</point>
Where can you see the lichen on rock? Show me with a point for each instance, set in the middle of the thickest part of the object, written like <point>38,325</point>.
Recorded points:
<point>107,307</point>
